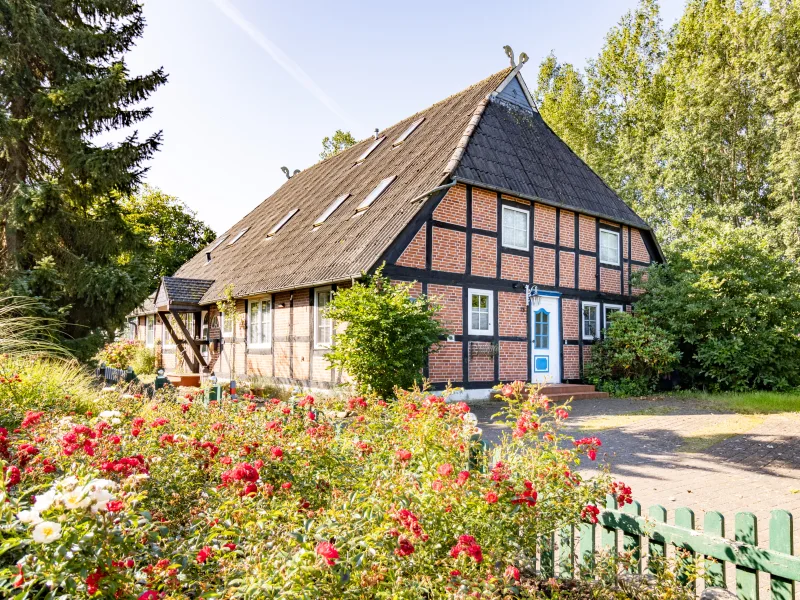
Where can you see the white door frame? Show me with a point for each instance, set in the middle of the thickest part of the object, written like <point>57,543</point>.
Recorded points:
<point>546,362</point>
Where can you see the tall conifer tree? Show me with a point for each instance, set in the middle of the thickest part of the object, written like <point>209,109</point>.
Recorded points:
<point>63,82</point>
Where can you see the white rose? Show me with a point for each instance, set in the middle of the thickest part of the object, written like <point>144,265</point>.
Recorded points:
<point>101,484</point>
<point>77,498</point>
<point>44,501</point>
<point>30,517</point>
<point>108,414</point>
<point>100,498</point>
<point>46,532</point>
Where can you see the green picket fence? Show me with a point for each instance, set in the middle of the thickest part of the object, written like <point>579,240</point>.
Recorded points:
<point>566,554</point>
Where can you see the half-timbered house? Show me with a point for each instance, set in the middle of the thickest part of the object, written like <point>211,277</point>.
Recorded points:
<point>475,199</point>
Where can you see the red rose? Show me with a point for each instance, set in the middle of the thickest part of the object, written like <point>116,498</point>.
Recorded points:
<point>149,595</point>
<point>114,506</point>
<point>512,572</point>
<point>462,477</point>
<point>204,553</point>
<point>445,469</point>
<point>404,547</point>
<point>403,455</point>
<point>491,498</point>
<point>328,551</point>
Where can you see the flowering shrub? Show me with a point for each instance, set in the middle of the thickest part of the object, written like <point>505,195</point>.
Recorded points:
<point>119,354</point>
<point>175,498</point>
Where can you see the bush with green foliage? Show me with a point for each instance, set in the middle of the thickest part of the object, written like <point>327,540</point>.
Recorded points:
<point>119,354</point>
<point>144,361</point>
<point>632,355</point>
<point>388,337</point>
<point>731,299</point>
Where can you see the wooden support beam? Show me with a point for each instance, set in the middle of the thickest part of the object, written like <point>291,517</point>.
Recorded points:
<point>178,342</point>
<point>199,360</point>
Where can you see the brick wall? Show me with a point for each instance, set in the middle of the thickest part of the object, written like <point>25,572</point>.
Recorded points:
<point>450,299</point>
<point>567,229</point>
<point>414,254</point>
<point>610,281</point>
<point>484,209</point>
<point>625,279</point>
<point>544,266</point>
<point>587,355</point>
<point>588,233</point>
<point>449,250</point>
<point>280,343</point>
<point>570,318</point>
<point>544,224</point>
<point>588,272</point>
<point>515,267</point>
<point>638,249</point>
<point>445,364</point>
<point>512,314</point>
<point>566,273</point>
<point>453,207</point>
<point>481,361</point>
<point>513,361</point>
<point>484,255</point>
<point>625,233</point>
<point>571,362</point>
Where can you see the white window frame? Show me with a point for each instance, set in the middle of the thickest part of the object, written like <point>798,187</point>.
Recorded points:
<point>606,308</point>
<point>318,317</point>
<point>596,306</point>
<point>150,331</point>
<point>259,325</point>
<point>166,338</point>
<point>224,322</point>
<point>604,233</point>
<point>527,213</point>
<point>490,305</point>
<point>204,330</point>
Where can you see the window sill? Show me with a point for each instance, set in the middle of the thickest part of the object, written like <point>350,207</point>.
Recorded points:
<point>481,333</point>
<point>510,247</point>
<point>610,264</point>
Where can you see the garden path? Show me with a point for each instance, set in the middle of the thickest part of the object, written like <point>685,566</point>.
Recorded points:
<point>675,452</point>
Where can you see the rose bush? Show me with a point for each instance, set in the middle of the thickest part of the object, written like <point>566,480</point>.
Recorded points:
<point>310,497</point>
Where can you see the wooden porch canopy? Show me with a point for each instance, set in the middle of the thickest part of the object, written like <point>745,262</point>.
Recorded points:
<point>176,295</point>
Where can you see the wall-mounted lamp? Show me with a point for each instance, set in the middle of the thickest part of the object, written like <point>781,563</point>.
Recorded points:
<point>532,295</point>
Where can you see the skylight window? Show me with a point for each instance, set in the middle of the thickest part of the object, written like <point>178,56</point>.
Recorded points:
<point>238,235</point>
<point>217,244</point>
<point>329,211</point>
<point>369,150</point>
<point>282,222</point>
<point>408,132</point>
<point>373,195</point>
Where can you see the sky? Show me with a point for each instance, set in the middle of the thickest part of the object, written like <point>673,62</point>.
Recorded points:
<point>255,85</point>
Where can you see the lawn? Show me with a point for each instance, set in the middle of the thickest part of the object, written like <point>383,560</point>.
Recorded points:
<point>757,402</point>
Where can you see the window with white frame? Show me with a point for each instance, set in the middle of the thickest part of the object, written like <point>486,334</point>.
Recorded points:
<point>515,227</point>
<point>590,322</point>
<point>226,324</point>
<point>150,338</point>
<point>323,326</point>
<point>259,325</point>
<point>608,310</point>
<point>204,333</point>
<point>609,247</point>
<point>481,312</point>
<point>166,338</point>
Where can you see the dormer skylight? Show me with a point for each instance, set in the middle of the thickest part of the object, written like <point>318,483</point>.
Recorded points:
<point>282,222</point>
<point>329,211</point>
<point>374,194</point>
<point>238,235</point>
<point>408,132</point>
<point>369,150</point>
<point>217,244</point>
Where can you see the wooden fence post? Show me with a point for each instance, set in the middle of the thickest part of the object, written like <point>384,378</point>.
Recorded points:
<point>746,529</point>
<point>657,548</point>
<point>781,538</point>
<point>714,524</point>
<point>632,542</point>
<point>566,552</point>
<point>684,517</point>
<point>586,550</point>
<point>547,555</point>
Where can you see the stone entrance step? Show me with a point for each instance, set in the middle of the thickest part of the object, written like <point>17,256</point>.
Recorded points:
<point>559,392</point>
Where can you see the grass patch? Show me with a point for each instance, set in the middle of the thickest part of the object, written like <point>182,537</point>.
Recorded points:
<point>748,403</point>
<point>706,437</point>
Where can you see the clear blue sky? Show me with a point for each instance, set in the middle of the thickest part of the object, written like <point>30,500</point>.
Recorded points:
<point>255,85</point>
